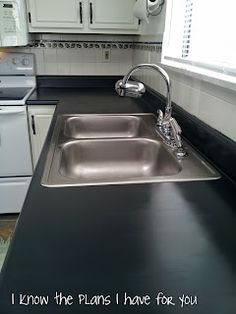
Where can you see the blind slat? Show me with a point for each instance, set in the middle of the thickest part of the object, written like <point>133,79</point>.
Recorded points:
<point>187,28</point>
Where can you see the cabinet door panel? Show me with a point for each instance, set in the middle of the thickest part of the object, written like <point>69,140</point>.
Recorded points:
<point>112,14</point>
<point>39,119</point>
<point>56,13</point>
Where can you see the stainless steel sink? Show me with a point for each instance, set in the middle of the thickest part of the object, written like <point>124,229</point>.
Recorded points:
<point>92,161</point>
<point>84,152</point>
<point>100,126</point>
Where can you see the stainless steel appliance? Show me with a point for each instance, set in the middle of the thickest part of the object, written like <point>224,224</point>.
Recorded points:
<point>17,81</point>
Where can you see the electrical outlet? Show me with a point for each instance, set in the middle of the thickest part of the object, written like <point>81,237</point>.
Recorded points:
<point>106,55</point>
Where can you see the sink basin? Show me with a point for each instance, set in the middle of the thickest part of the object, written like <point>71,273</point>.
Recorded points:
<point>104,126</point>
<point>116,149</point>
<point>92,161</point>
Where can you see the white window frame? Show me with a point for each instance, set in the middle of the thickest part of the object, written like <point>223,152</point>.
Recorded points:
<point>206,72</point>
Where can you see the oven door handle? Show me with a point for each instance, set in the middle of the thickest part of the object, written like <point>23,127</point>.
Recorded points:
<point>11,111</point>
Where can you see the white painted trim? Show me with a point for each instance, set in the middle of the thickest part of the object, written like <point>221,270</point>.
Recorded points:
<point>206,75</point>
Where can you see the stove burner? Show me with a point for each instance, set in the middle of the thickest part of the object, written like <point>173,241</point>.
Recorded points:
<point>13,93</point>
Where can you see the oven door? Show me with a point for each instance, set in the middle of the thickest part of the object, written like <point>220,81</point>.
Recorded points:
<point>15,155</point>
<point>12,194</point>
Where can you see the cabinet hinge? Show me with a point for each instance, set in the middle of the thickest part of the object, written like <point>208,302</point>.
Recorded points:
<point>29,17</point>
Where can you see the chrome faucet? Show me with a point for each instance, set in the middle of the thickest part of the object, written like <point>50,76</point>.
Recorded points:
<point>166,125</point>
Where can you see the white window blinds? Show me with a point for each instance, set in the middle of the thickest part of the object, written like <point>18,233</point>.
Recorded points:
<point>202,33</point>
<point>187,28</point>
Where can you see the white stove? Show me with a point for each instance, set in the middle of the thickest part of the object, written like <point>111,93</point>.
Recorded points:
<point>17,81</point>
<point>17,78</point>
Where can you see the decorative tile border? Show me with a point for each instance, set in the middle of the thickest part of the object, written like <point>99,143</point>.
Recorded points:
<point>148,46</point>
<point>79,44</point>
<point>59,44</point>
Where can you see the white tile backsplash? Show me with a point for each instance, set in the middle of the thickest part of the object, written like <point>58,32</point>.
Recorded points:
<point>50,61</point>
<point>187,96</point>
<point>82,61</point>
<point>39,59</point>
<point>219,114</point>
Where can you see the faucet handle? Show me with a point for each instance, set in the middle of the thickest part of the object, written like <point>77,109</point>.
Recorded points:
<point>175,126</point>
<point>180,152</point>
<point>160,117</point>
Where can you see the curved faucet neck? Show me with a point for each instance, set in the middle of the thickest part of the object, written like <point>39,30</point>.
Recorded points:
<point>165,76</point>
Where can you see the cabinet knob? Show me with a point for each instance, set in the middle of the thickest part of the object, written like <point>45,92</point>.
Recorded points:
<point>15,61</point>
<point>25,62</point>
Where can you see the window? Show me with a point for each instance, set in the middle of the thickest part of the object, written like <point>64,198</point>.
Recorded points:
<point>201,33</point>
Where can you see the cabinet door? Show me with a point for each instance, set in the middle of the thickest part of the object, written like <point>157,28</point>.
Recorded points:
<point>39,120</point>
<point>53,14</point>
<point>112,14</point>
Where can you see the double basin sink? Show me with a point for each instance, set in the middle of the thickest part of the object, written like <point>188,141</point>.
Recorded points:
<point>116,149</point>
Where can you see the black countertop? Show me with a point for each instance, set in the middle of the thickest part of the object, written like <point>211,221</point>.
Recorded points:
<point>143,239</point>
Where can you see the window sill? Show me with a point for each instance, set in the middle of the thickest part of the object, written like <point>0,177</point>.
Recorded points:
<point>218,79</point>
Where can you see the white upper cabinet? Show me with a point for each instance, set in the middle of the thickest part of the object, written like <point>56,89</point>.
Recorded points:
<point>112,14</point>
<point>82,16</point>
<point>54,14</point>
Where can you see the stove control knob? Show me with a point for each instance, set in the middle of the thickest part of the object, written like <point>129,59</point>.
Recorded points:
<point>15,61</point>
<point>25,62</point>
